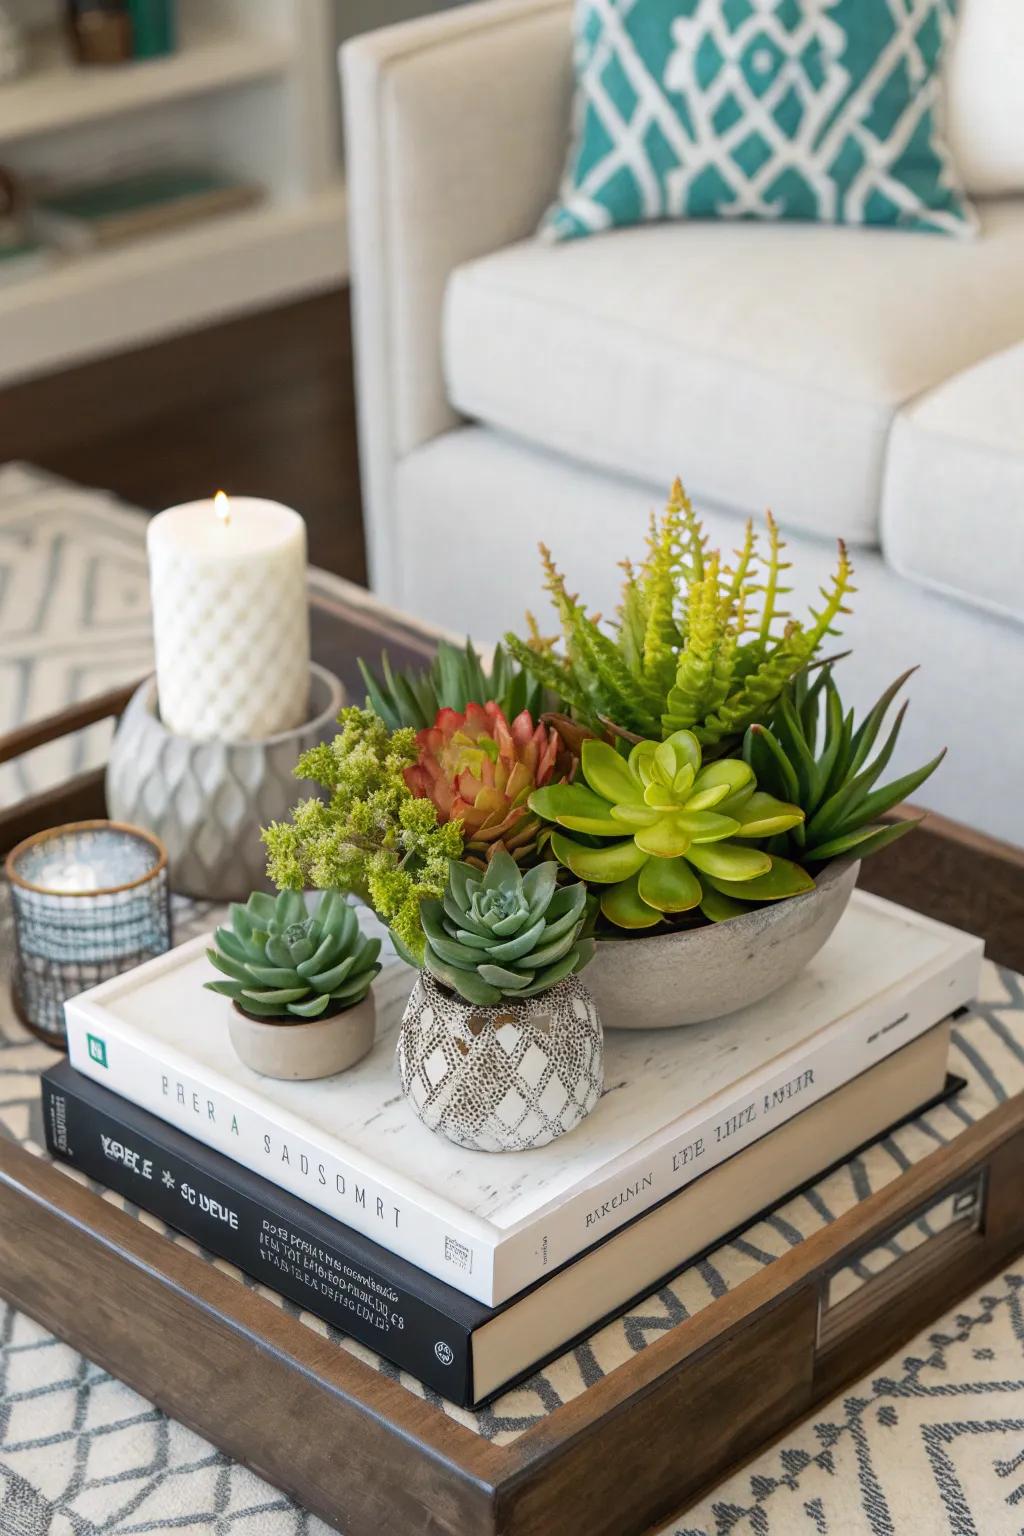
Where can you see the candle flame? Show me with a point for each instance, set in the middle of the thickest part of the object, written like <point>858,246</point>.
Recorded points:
<point>222,507</point>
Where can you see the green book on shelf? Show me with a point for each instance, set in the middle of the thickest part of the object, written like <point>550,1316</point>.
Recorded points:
<point>126,207</point>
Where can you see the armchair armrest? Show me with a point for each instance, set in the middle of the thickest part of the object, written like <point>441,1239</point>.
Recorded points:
<point>456,130</point>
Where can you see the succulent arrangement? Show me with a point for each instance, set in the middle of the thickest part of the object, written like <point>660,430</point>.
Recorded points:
<point>281,963</point>
<point>666,833</point>
<point>502,934</point>
<point>696,761</point>
<point>699,643</point>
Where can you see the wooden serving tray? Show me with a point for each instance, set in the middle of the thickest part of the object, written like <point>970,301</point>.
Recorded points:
<point>361,1449</point>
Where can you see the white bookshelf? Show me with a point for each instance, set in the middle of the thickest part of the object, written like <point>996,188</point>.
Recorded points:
<point>253,90</point>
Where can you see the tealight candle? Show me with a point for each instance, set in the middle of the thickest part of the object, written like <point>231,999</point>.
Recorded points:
<point>230,618</point>
<point>90,900</point>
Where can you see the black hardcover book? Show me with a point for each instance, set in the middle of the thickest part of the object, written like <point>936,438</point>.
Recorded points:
<point>417,1322</point>
<point>466,1351</point>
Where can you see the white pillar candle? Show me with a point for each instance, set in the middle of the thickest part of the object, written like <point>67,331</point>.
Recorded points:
<point>230,618</point>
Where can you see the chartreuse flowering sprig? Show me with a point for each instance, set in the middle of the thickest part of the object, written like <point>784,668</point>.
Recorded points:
<point>371,836</point>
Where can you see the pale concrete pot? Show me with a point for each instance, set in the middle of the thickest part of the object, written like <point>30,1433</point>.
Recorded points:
<point>703,973</point>
<point>208,800</point>
<point>299,1050</point>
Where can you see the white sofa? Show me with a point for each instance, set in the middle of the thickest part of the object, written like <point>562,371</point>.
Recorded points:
<point>867,384</point>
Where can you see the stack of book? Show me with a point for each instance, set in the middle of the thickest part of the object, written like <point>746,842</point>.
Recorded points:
<point>470,1270</point>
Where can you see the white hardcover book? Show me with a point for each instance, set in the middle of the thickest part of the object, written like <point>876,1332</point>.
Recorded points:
<point>676,1102</point>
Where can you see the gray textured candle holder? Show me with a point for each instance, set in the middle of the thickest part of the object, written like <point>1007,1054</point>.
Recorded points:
<point>207,800</point>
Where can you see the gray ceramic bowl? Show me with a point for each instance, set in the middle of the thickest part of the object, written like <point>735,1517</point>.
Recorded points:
<point>688,978</point>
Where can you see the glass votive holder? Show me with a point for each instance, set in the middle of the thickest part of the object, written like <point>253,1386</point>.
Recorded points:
<point>90,900</point>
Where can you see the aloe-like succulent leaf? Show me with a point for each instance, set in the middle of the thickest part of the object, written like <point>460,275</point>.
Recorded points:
<point>882,800</point>
<point>864,737</point>
<point>834,815</point>
<point>771,766</point>
<point>787,725</point>
<point>864,841</point>
<point>824,763</point>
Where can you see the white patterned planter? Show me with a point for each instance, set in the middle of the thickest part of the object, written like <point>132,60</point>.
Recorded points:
<point>505,1078</point>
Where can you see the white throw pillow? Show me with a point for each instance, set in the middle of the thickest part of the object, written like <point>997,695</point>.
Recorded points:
<point>985,80</point>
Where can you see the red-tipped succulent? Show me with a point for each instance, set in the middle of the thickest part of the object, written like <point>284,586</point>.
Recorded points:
<point>480,770</point>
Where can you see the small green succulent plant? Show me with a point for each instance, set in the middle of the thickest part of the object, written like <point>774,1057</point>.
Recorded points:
<point>456,677</point>
<point>500,934</point>
<point>817,756</point>
<point>681,834</point>
<point>281,963</point>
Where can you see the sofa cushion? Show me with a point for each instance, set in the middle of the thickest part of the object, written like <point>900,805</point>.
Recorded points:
<point>787,109</point>
<point>985,96</point>
<point>953,507</point>
<point>763,362</point>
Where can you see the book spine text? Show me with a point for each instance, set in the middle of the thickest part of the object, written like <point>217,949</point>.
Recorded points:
<point>252,1231</point>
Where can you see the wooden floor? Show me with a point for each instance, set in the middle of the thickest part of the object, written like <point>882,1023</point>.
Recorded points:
<point>264,405</point>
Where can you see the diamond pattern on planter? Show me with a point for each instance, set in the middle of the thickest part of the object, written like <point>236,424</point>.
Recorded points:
<point>504,1078</point>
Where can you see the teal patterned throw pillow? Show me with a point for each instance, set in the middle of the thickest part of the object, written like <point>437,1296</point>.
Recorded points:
<point>760,109</point>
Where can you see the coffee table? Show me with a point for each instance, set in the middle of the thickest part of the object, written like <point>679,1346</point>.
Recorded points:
<point>371,1453</point>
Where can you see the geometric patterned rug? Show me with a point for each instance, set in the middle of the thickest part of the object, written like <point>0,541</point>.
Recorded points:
<point>931,1442</point>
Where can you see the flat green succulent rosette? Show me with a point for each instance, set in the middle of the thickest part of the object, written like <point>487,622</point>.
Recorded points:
<point>679,833</point>
<point>281,963</point>
<point>499,934</point>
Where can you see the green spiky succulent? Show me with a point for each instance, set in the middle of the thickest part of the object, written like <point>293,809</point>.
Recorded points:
<point>502,934</point>
<point>454,679</point>
<point>673,825</point>
<point>282,963</point>
<point>700,642</point>
<point>817,756</point>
